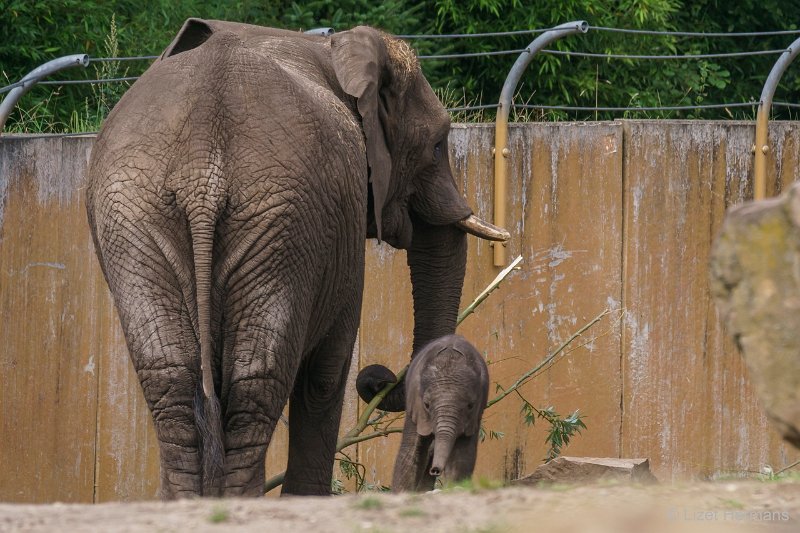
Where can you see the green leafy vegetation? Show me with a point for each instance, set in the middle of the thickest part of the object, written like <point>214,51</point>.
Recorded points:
<point>412,512</point>
<point>355,471</point>
<point>480,483</point>
<point>35,32</point>
<point>219,515</point>
<point>561,429</point>
<point>369,503</point>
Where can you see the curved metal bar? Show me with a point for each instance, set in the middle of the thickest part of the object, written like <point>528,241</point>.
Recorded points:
<point>325,32</point>
<point>501,151</point>
<point>762,119</point>
<point>30,79</point>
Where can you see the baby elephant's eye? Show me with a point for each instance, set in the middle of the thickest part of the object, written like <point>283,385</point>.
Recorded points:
<point>470,405</point>
<point>437,151</point>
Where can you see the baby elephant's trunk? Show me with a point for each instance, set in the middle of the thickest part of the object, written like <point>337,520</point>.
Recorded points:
<point>442,446</point>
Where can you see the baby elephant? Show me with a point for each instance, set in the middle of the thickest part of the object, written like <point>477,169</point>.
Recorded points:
<point>447,385</point>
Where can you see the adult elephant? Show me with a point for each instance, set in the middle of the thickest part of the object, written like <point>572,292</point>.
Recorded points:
<point>229,196</point>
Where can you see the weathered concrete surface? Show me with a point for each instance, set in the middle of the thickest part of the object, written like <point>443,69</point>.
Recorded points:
<point>755,278</point>
<point>589,469</point>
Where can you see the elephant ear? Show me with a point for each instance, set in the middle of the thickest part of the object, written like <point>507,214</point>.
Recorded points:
<point>474,424</point>
<point>359,59</point>
<point>193,33</point>
<point>415,407</point>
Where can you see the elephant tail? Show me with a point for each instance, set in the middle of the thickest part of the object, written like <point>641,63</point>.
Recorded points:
<point>208,418</point>
<point>208,414</point>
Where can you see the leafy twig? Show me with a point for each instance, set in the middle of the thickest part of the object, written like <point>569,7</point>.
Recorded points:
<point>561,429</point>
<point>363,420</point>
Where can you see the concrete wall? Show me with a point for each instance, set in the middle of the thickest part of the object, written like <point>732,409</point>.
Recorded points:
<point>616,215</point>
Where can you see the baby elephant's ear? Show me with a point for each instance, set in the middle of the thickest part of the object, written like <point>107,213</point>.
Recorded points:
<point>359,59</point>
<point>473,425</point>
<point>420,417</point>
<point>415,407</point>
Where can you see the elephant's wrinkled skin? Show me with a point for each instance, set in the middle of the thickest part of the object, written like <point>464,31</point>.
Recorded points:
<point>447,385</point>
<point>230,192</point>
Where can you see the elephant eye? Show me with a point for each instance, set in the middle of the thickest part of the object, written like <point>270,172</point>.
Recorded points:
<point>427,404</point>
<point>470,405</point>
<point>437,151</point>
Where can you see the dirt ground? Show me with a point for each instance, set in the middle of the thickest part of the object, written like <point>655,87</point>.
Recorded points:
<point>702,507</point>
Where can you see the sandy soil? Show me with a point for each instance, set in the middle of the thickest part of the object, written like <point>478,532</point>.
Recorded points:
<point>702,507</point>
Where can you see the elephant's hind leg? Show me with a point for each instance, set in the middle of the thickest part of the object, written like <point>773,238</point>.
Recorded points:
<point>262,339</point>
<point>315,410</point>
<point>254,396</point>
<point>159,333</point>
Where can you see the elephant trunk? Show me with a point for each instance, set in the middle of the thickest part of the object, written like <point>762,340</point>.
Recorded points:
<point>437,260</point>
<point>372,379</point>
<point>442,445</point>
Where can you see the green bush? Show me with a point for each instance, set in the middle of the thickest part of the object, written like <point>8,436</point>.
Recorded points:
<point>37,31</point>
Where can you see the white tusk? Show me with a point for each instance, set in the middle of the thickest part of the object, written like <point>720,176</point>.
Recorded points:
<point>484,230</point>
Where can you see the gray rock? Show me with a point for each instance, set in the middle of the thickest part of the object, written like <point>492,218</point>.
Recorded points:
<point>755,280</point>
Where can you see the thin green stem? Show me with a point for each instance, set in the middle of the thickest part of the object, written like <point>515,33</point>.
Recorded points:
<point>785,468</point>
<point>488,290</point>
<point>274,482</point>
<point>547,360</point>
<point>363,420</point>
<point>344,442</point>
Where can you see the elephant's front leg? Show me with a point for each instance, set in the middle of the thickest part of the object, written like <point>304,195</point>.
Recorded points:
<point>315,410</point>
<point>461,462</point>
<point>411,468</point>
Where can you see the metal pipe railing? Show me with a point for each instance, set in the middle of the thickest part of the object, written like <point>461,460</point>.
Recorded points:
<point>762,119</point>
<point>501,150</point>
<point>30,79</point>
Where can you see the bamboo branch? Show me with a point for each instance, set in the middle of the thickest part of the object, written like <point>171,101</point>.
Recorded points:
<point>363,420</point>
<point>344,442</point>
<point>488,290</point>
<point>372,405</point>
<point>274,482</point>
<point>785,468</point>
<point>547,360</point>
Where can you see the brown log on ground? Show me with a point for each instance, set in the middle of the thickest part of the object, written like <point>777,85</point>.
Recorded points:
<point>590,469</point>
<point>755,279</point>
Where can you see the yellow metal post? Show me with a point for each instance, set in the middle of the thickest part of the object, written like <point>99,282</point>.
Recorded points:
<point>501,152</point>
<point>761,149</point>
<point>762,120</point>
